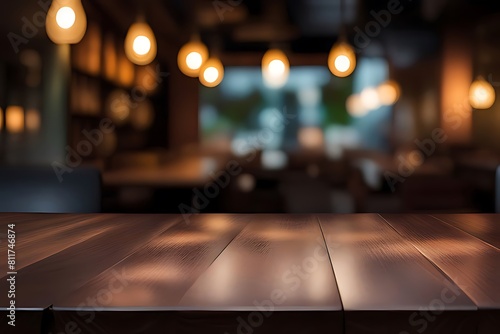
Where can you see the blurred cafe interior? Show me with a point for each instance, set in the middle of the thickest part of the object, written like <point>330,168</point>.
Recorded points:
<point>282,106</point>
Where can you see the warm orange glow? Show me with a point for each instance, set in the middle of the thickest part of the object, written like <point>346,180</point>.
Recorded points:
<point>456,118</point>
<point>142,117</point>
<point>86,55</point>
<point>14,119</point>
<point>275,68</point>
<point>212,73</point>
<point>140,44</point>
<point>118,107</point>
<point>1,119</point>
<point>126,71</point>
<point>481,94</point>
<point>94,44</point>
<point>389,93</point>
<point>342,60</point>
<point>246,183</point>
<point>110,58</point>
<point>191,58</point>
<point>146,78</point>
<point>108,145</point>
<point>33,120</point>
<point>311,138</point>
<point>66,21</point>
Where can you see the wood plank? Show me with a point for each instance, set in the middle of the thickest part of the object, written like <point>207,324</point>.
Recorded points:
<point>43,282</point>
<point>155,279</point>
<point>384,281</point>
<point>272,252</point>
<point>161,271</point>
<point>470,262</point>
<point>276,267</point>
<point>485,227</point>
<point>50,233</point>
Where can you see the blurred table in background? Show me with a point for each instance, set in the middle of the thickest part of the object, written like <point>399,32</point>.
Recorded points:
<point>150,182</point>
<point>184,171</point>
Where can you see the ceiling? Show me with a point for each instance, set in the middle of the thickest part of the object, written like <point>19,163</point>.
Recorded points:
<point>300,26</point>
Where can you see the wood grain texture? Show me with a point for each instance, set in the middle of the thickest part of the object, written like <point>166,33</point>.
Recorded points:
<point>221,273</point>
<point>485,227</point>
<point>470,262</point>
<point>39,236</point>
<point>278,261</point>
<point>377,269</point>
<point>157,275</point>
<point>43,282</point>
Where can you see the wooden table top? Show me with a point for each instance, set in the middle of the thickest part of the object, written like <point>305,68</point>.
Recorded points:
<point>316,273</point>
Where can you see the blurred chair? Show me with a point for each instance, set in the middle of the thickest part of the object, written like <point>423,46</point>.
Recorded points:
<point>38,189</point>
<point>497,192</point>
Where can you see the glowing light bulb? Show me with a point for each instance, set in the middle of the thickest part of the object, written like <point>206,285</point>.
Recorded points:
<point>140,44</point>
<point>65,17</point>
<point>342,60</point>
<point>191,58</point>
<point>342,63</point>
<point>66,22</point>
<point>275,68</point>
<point>212,73</point>
<point>194,60</point>
<point>481,94</point>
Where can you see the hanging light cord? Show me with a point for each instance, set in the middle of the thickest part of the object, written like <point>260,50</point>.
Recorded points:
<point>343,29</point>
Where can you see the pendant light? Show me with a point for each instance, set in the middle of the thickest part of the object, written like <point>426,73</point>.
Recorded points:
<point>191,57</point>
<point>481,94</point>
<point>140,43</point>
<point>342,57</point>
<point>275,68</point>
<point>66,21</point>
<point>212,72</point>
